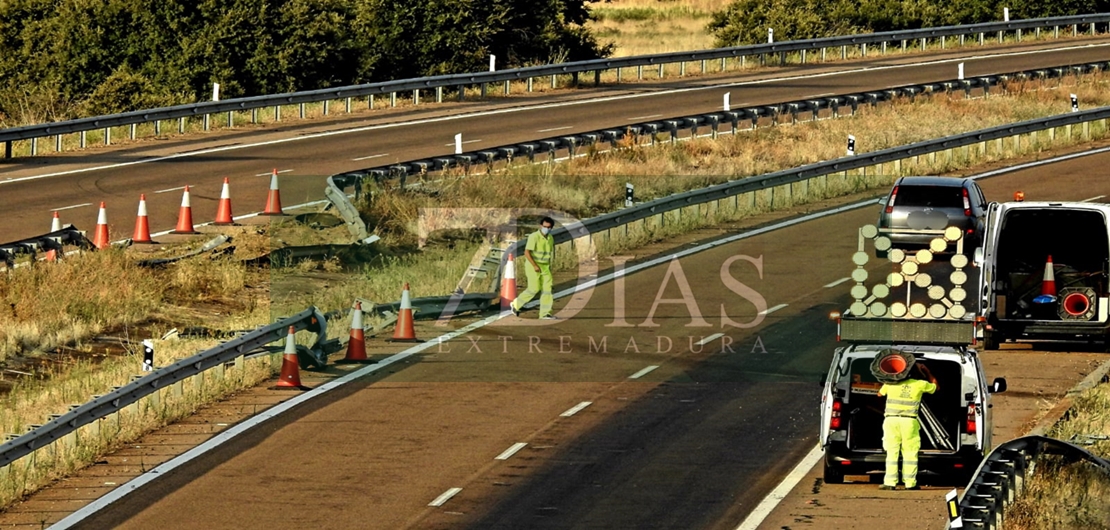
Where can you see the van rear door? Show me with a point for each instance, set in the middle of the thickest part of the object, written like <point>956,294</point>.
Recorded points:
<point>829,394</point>
<point>987,264</point>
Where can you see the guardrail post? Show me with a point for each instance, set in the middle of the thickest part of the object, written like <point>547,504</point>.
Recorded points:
<point>724,64</point>
<point>1000,36</point>
<point>1055,32</point>
<point>439,91</point>
<point>277,113</point>
<point>157,127</point>
<point>943,41</point>
<point>597,80</point>
<point>703,66</point>
<point>482,89</point>
<point>639,72</point>
<point>134,130</point>
<point>107,136</point>
<point>34,146</point>
<point>553,81</point>
<point>393,96</point>
<point>508,87</point>
<point>207,120</point>
<point>681,69</point>
<point>982,38</point>
<point>82,142</point>
<point>962,40</point>
<point>1086,130</point>
<point>462,92</point>
<point>618,76</point>
<point>58,143</point>
<point>416,97</point>
<point>327,107</point>
<point>300,110</point>
<point>530,81</point>
<point>863,50</point>
<point>743,62</point>
<point>1019,35</point>
<point>843,52</point>
<point>803,57</point>
<point>1075,30</point>
<point>1037,33</point>
<point>823,50</point>
<point>883,49</point>
<point>662,71</point>
<point>1092,28</point>
<point>347,105</point>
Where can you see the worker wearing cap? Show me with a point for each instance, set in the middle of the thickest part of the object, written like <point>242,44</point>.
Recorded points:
<point>539,252</point>
<point>901,428</point>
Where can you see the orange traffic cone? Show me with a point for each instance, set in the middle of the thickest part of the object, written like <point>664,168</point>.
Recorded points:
<point>223,212</point>
<point>142,224</point>
<point>404,331</point>
<point>55,225</point>
<point>100,239</point>
<point>185,216</point>
<point>1048,285</point>
<point>508,283</point>
<point>356,347</point>
<point>273,200</point>
<point>290,366</point>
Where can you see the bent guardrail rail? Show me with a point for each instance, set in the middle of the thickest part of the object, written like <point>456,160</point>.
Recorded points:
<point>1001,477</point>
<point>31,246</point>
<point>458,81</point>
<point>114,401</point>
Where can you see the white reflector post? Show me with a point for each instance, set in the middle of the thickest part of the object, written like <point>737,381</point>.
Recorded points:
<point>458,144</point>
<point>770,35</point>
<point>1074,103</point>
<point>851,145</point>
<point>960,72</point>
<point>954,519</point>
<point>629,194</point>
<point>728,104</point>
<point>215,91</point>
<point>492,62</point>
<point>1005,14</point>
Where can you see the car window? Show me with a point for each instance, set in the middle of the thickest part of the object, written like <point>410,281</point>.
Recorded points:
<point>931,196</point>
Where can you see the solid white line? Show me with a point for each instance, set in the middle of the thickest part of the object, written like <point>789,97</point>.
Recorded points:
<point>512,450</point>
<point>171,189</point>
<point>764,508</point>
<point>554,129</point>
<point>709,339</point>
<point>820,95</point>
<point>369,157</point>
<point>239,428</point>
<point>549,106</point>
<point>576,409</point>
<point>649,116</point>
<point>71,207</point>
<point>643,372</point>
<point>280,171</point>
<point>773,309</point>
<point>838,282</point>
<point>463,142</point>
<point>445,497</point>
<point>1092,199</point>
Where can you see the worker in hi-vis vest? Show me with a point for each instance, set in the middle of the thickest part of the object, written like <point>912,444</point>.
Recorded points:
<point>539,251</point>
<point>901,428</point>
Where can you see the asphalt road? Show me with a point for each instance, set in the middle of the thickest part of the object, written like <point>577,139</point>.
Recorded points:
<point>694,443</point>
<point>306,153</point>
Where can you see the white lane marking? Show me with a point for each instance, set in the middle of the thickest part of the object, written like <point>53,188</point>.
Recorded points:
<point>576,409</point>
<point>820,95</point>
<point>369,157</point>
<point>709,339</point>
<point>464,142</point>
<point>512,450</point>
<point>280,171</point>
<point>71,207</point>
<point>445,497</point>
<point>643,372</point>
<point>649,116</point>
<point>170,189</point>
<point>1039,163</point>
<point>838,282</point>
<point>554,129</point>
<point>764,508</point>
<point>239,428</point>
<point>772,309</point>
<point>556,105</point>
<point>1093,199</point>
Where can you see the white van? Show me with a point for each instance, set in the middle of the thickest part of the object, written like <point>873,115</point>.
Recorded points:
<point>1021,237</point>
<point>956,420</point>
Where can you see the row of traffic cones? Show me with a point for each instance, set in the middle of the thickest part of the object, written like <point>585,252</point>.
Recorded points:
<point>184,216</point>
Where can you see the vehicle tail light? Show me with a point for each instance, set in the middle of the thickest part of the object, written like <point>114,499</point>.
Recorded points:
<point>834,420</point>
<point>971,230</point>
<point>971,419</point>
<point>967,204</point>
<point>890,203</point>
<point>845,462</point>
<point>958,466</point>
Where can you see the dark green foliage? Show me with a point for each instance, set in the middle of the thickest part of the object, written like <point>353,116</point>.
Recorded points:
<point>746,21</point>
<point>65,58</point>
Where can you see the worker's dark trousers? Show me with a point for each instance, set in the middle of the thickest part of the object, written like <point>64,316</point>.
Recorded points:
<point>901,436</point>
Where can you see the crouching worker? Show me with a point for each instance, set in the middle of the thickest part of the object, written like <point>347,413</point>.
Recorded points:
<point>901,428</point>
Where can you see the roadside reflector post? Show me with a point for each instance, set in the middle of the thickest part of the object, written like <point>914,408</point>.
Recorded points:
<point>148,355</point>
<point>492,62</point>
<point>728,104</point>
<point>1074,103</point>
<point>770,35</point>
<point>954,519</point>
<point>960,72</point>
<point>1005,14</point>
<point>851,145</point>
<point>629,194</point>
<point>458,144</point>
<point>215,91</point>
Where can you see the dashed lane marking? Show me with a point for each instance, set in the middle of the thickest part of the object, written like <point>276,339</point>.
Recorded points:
<point>576,409</point>
<point>643,372</point>
<point>445,497</point>
<point>709,339</point>
<point>512,450</point>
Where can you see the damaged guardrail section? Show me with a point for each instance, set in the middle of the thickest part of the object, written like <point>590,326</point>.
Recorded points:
<point>459,81</point>
<point>121,397</point>
<point>1001,478</point>
<point>54,241</point>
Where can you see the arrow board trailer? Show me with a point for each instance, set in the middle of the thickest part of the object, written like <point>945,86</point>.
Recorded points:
<point>1044,272</point>
<point>919,308</point>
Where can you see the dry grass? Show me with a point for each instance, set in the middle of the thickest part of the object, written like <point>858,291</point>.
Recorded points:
<point>638,27</point>
<point>1067,496</point>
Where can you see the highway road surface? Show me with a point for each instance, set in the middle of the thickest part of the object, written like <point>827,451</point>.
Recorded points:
<point>676,434</point>
<point>305,153</point>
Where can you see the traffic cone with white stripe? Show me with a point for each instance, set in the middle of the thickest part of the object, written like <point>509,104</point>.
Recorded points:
<point>290,367</point>
<point>142,224</point>
<point>356,347</point>
<point>273,200</point>
<point>508,284</point>
<point>223,211</point>
<point>55,225</point>
<point>1048,284</point>
<point>100,238</point>
<point>185,216</point>
<point>404,331</point>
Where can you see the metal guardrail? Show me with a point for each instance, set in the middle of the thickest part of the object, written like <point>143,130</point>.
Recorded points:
<point>121,397</point>
<point>31,246</point>
<point>458,81</point>
<point>1001,477</point>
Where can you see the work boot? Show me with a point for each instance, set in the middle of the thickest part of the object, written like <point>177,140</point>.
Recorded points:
<point>884,487</point>
<point>913,488</point>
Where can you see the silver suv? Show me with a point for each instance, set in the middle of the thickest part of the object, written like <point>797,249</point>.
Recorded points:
<point>918,209</point>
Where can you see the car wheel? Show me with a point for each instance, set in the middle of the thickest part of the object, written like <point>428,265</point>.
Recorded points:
<point>833,475</point>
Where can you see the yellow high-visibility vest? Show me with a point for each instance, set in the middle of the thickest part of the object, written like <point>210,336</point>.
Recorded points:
<point>904,397</point>
<point>542,247</point>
